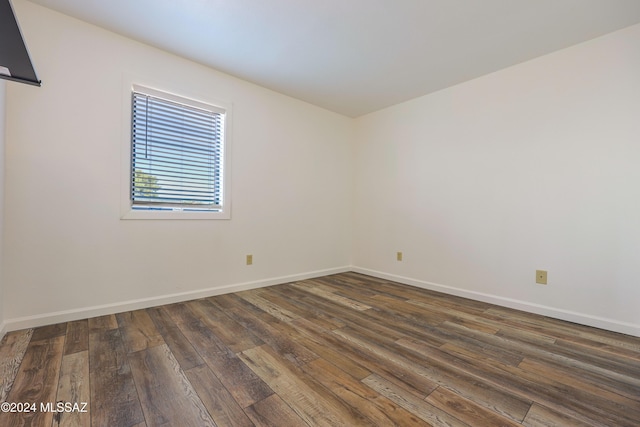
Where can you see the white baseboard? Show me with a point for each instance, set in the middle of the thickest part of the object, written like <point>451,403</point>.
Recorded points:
<point>571,316</point>
<point>3,330</point>
<point>101,310</point>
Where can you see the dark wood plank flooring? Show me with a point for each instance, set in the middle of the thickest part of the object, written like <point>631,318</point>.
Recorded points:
<point>341,350</point>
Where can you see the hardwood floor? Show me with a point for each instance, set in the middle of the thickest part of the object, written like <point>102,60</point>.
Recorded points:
<point>342,350</point>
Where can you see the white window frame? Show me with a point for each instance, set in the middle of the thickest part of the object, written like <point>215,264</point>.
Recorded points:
<point>127,210</point>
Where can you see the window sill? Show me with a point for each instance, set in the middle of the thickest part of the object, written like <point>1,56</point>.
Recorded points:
<point>182,215</point>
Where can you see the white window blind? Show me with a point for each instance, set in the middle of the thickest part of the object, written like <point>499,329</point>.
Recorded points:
<point>176,161</point>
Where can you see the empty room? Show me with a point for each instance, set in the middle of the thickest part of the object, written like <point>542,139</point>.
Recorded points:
<point>339,213</point>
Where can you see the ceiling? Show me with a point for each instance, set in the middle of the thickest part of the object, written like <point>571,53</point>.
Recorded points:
<point>356,56</point>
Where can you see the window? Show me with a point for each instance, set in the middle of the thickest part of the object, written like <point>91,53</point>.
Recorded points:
<point>177,156</point>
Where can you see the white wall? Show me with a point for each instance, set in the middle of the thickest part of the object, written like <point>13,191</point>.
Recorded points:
<point>532,167</point>
<point>70,253</point>
<point>2,125</point>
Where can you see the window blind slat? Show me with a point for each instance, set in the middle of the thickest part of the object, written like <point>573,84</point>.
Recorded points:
<point>174,150</point>
<point>178,162</point>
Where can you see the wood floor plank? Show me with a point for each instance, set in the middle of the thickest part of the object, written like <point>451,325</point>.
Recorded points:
<point>411,312</point>
<point>230,332</point>
<point>523,335</point>
<point>631,402</point>
<point>621,361</point>
<point>77,337</point>
<point>473,321</point>
<point>73,389</point>
<point>12,349</point>
<point>138,331</point>
<point>358,291</point>
<point>279,335</point>
<point>50,331</point>
<point>36,382</point>
<point>379,409</point>
<point>550,354</point>
<point>114,398</point>
<point>267,306</point>
<point>281,296</point>
<point>185,354</point>
<point>248,314</point>
<point>335,357</point>
<point>243,384</point>
<point>314,407</point>
<point>102,323</point>
<point>599,380</point>
<point>443,374</point>
<point>618,349</point>
<point>465,410</point>
<point>161,319</point>
<point>358,284</point>
<point>365,319</point>
<point>166,395</point>
<point>421,409</point>
<point>311,287</point>
<point>485,348</point>
<point>181,314</point>
<point>551,392</point>
<point>473,355</point>
<point>274,412</point>
<point>539,416</point>
<point>221,405</point>
<point>420,294</point>
<point>372,362</point>
<point>563,330</point>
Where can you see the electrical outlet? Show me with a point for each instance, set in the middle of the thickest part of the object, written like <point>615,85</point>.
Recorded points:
<point>541,277</point>
<point>399,256</point>
<point>249,259</point>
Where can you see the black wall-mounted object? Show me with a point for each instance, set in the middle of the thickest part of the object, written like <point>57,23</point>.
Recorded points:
<point>15,63</point>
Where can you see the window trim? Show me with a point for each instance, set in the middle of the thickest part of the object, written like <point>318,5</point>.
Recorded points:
<point>127,209</point>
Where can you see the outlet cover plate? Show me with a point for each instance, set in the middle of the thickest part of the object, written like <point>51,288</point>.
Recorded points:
<point>541,277</point>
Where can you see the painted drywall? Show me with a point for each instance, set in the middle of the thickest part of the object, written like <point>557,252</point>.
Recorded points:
<point>532,167</point>
<point>70,253</point>
<point>2,121</point>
